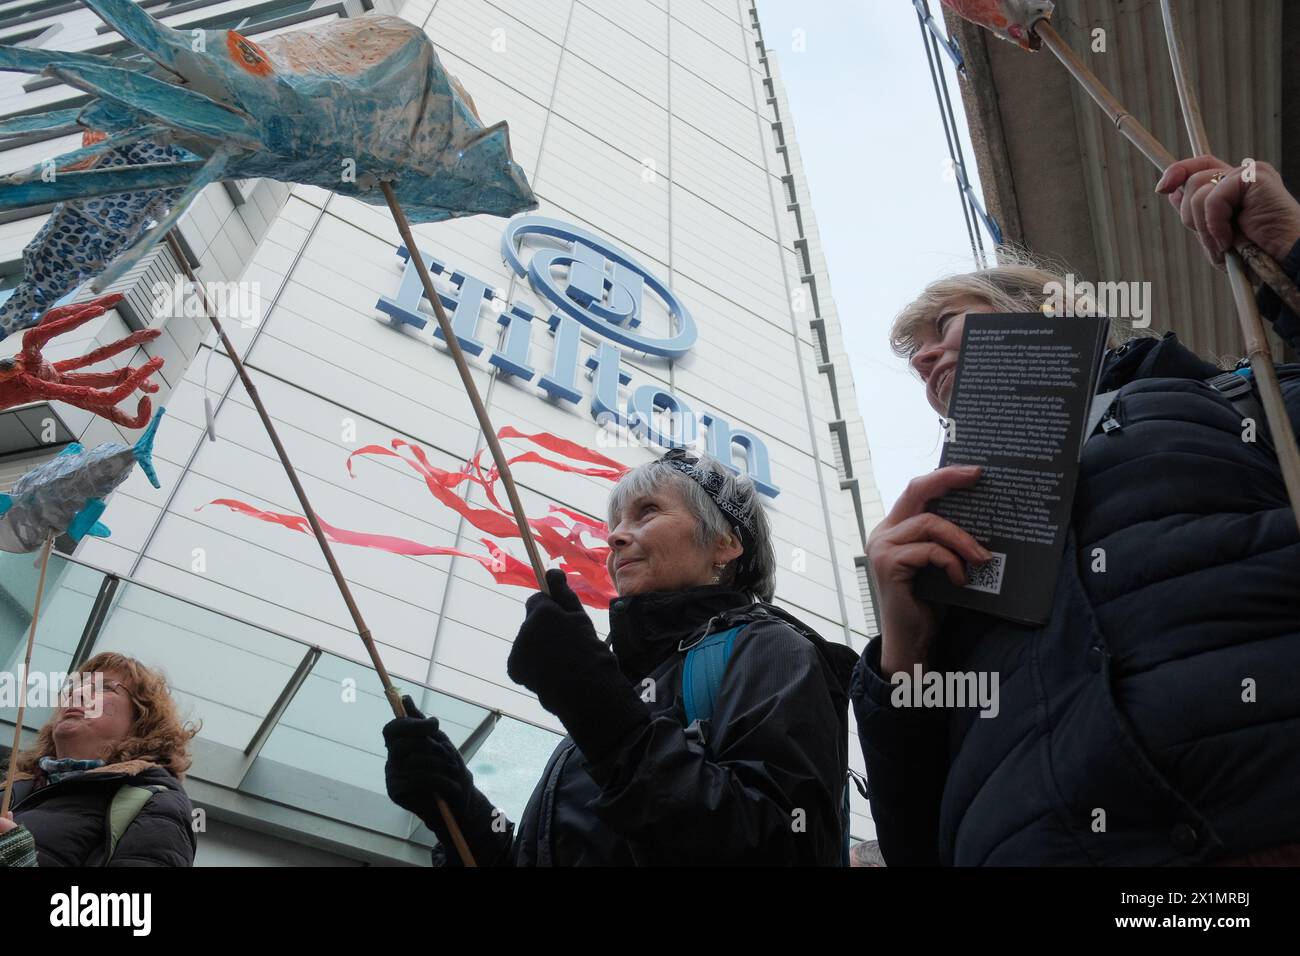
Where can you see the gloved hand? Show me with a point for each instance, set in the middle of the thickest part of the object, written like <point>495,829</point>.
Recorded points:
<point>558,656</point>
<point>423,764</point>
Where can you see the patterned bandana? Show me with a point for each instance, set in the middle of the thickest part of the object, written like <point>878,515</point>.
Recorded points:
<point>712,485</point>
<point>61,768</point>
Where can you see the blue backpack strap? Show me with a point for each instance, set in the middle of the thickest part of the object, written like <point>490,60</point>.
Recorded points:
<point>706,662</point>
<point>702,673</point>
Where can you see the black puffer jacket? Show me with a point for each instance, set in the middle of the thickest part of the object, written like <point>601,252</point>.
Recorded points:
<point>777,743</point>
<point>1155,718</point>
<point>69,819</point>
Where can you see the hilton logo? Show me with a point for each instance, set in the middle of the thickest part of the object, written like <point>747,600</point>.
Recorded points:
<point>603,290</point>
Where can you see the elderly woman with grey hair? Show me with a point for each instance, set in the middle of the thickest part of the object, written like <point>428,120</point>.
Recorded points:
<point>711,729</point>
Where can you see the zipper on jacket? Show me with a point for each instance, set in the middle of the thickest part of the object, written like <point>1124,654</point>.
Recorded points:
<point>546,815</point>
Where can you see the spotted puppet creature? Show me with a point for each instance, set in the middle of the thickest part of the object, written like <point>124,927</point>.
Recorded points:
<point>82,236</point>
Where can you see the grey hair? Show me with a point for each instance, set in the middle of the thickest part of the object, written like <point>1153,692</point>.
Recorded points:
<point>759,578</point>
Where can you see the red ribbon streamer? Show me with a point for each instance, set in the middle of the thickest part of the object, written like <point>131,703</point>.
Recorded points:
<point>584,565</point>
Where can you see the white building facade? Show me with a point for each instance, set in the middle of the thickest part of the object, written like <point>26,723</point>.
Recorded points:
<point>657,137</point>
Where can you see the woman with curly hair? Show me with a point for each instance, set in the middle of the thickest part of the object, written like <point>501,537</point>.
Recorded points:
<point>102,785</point>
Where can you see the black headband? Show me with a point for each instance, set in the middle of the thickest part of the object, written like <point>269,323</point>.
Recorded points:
<point>712,482</point>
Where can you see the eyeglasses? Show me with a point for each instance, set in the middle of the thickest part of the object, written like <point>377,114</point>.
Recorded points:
<point>88,685</point>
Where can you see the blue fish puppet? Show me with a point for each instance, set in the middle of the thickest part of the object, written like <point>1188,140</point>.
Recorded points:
<point>343,105</point>
<point>66,494</point>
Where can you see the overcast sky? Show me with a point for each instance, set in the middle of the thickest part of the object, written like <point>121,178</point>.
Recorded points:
<point>870,133</point>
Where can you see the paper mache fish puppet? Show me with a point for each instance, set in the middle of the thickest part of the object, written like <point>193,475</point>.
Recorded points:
<point>343,105</point>
<point>66,494</point>
<point>1012,20</point>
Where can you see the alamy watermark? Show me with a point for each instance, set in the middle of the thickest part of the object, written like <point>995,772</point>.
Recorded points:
<point>41,689</point>
<point>1116,300</point>
<point>236,301</point>
<point>923,688</point>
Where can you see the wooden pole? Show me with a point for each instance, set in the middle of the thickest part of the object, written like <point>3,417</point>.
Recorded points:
<point>27,668</point>
<point>1252,326</point>
<point>1263,264</point>
<point>390,692</point>
<point>462,366</point>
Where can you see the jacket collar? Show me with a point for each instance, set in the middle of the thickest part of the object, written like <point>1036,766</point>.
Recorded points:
<point>129,768</point>
<point>644,629</point>
<point>1153,358</point>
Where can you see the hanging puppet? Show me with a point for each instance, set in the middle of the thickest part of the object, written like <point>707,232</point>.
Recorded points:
<point>82,236</point>
<point>1010,19</point>
<point>65,495</point>
<point>344,105</point>
<point>30,377</point>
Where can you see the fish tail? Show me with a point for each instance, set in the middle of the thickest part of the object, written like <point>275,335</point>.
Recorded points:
<point>143,450</point>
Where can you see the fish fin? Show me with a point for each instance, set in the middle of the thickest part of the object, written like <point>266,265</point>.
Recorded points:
<point>23,59</point>
<point>99,530</point>
<point>155,39</point>
<point>143,450</point>
<point>210,172</point>
<point>89,183</point>
<point>86,518</point>
<point>6,502</point>
<point>176,106</point>
<point>77,156</point>
<point>51,121</point>
<point>72,448</point>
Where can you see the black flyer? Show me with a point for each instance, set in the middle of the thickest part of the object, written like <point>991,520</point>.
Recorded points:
<point>1024,386</point>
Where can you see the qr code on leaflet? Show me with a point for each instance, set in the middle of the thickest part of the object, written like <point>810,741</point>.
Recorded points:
<point>987,577</point>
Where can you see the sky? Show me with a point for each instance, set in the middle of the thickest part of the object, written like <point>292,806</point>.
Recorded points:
<point>869,130</point>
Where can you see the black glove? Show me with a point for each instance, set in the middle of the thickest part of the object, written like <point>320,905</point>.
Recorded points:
<point>423,764</point>
<point>558,656</point>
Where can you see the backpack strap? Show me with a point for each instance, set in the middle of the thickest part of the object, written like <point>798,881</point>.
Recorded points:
<point>122,811</point>
<point>702,672</point>
<point>706,663</point>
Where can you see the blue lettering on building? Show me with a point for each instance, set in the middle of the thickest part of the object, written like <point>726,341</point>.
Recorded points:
<point>603,292</point>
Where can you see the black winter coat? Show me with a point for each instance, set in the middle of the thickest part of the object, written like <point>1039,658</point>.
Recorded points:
<point>1126,732</point>
<point>725,792</point>
<point>69,819</point>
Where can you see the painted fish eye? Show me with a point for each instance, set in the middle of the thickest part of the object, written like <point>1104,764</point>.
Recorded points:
<point>248,54</point>
<point>7,365</point>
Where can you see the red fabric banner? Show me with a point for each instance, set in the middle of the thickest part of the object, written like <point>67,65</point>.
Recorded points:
<point>583,564</point>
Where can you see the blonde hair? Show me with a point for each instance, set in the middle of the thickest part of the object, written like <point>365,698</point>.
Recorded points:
<point>1016,284</point>
<point>157,734</point>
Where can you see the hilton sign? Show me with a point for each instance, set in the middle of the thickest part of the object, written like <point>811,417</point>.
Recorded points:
<point>602,291</point>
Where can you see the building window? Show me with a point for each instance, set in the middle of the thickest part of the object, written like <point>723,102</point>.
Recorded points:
<point>34,37</point>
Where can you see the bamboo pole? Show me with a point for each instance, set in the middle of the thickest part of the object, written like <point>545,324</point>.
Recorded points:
<point>1263,264</point>
<point>27,668</point>
<point>1252,326</point>
<point>390,691</point>
<point>462,366</point>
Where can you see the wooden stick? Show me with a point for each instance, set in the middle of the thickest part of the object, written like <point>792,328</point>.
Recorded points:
<point>1124,121</point>
<point>22,691</point>
<point>462,366</point>
<point>390,692</point>
<point>1252,326</point>
<point>1263,264</point>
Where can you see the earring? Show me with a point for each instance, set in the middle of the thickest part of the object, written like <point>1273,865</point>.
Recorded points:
<point>717,573</point>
